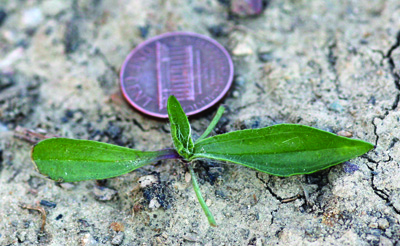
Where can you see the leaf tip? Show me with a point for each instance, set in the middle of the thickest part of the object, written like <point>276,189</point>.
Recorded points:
<point>171,99</point>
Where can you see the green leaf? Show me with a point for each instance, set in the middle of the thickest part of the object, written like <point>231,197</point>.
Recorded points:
<point>180,128</point>
<point>71,160</point>
<point>212,124</point>
<point>281,150</point>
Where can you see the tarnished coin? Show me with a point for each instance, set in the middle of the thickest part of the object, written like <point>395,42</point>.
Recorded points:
<point>194,68</point>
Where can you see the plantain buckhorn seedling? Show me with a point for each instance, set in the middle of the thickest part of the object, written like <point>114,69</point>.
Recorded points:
<point>282,150</point>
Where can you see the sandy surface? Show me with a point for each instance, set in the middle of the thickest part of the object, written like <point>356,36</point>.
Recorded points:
<point>333,65</point>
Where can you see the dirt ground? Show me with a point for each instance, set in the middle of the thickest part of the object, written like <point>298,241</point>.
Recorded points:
<point>333,65</point>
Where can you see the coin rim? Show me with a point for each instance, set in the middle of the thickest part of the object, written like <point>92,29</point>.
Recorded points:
<point>169,34</point>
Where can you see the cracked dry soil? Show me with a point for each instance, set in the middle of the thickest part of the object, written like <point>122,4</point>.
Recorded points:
<point>334,65</point>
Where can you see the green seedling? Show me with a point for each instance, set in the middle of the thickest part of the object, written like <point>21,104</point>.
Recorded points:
<point>281,150</point>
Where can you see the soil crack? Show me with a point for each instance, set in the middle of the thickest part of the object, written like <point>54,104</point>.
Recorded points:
<point>392,66</point>
<point>379,192</point>
<point>276,196</point>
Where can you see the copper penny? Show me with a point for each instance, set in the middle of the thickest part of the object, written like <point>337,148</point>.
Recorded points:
<point>194,68</point>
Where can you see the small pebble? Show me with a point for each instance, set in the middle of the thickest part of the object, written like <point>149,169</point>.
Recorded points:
<point>383,223</point>
<point>190,238</point>
<point>103,193</point>
<point>244,8</point>
<point>188,178</point>
<point>242,49</point>
<point>83,222</point>
<point>31,18</point>
<point>3,128</point>
<point>67,186</point>
<point>218,31</point>
<point>3,16</point>
<point>373,225</point>
<point>48,204</point>
<point>21,236</point>
<point>88,240</point>
<point>208,202</point>
<point>147,180</point>
<point>12,57</point>
<point>113,131</point>
<point>154,204</point>
<point>54,7</point>
<point>117,226</point>
<point>265,56</point>
<point>350,167</point>
<point>144,30</point>
<point>71,37</point>
<point>384,241</point>
<point>345,134</point>
<point>118,239</point>
<point>336,106</point>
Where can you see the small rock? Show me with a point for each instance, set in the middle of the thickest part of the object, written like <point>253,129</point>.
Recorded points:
<point>265,56</point>
<point>88,240</point>
<point>188,177</point>
<point>54,7</point>
<point>336,106</point>
<point>244,8</point>
<point>117,226</point>
<point>12,57</point>
<point>235,94</point>
<point>350,167</point>
<point>218,31</point>
<point>208,202</point>
<point>383,223</point>
<point>3,16</point>
<point>72,38</point>
<point>48,204</point>
<point>154,204</point>
<point>103,193</point>
<point>373,225</point>
<point>384,241</point>
<point>147,180</point>
<point>220,193</point>
<point>21,236</point>
<point>31,18</point>
<point>83,223</point>
<point>67,186</point>
<point>118,239</point>
<point>242,49</point>
<point>3,128</point>
<point>190,238</point>
<point>345,134</point>
<point>6,80</point>
<point>144,30</point>
<point>113,131</point>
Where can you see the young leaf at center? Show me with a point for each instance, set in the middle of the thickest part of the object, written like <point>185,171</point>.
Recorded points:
<point>180,128</point>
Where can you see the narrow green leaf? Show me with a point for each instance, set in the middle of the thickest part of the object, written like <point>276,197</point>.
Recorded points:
<point>212,124</point>
<point>282,150</point>
<point>203,204</point>
<point>180,128</point>
<point>71,160</point>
